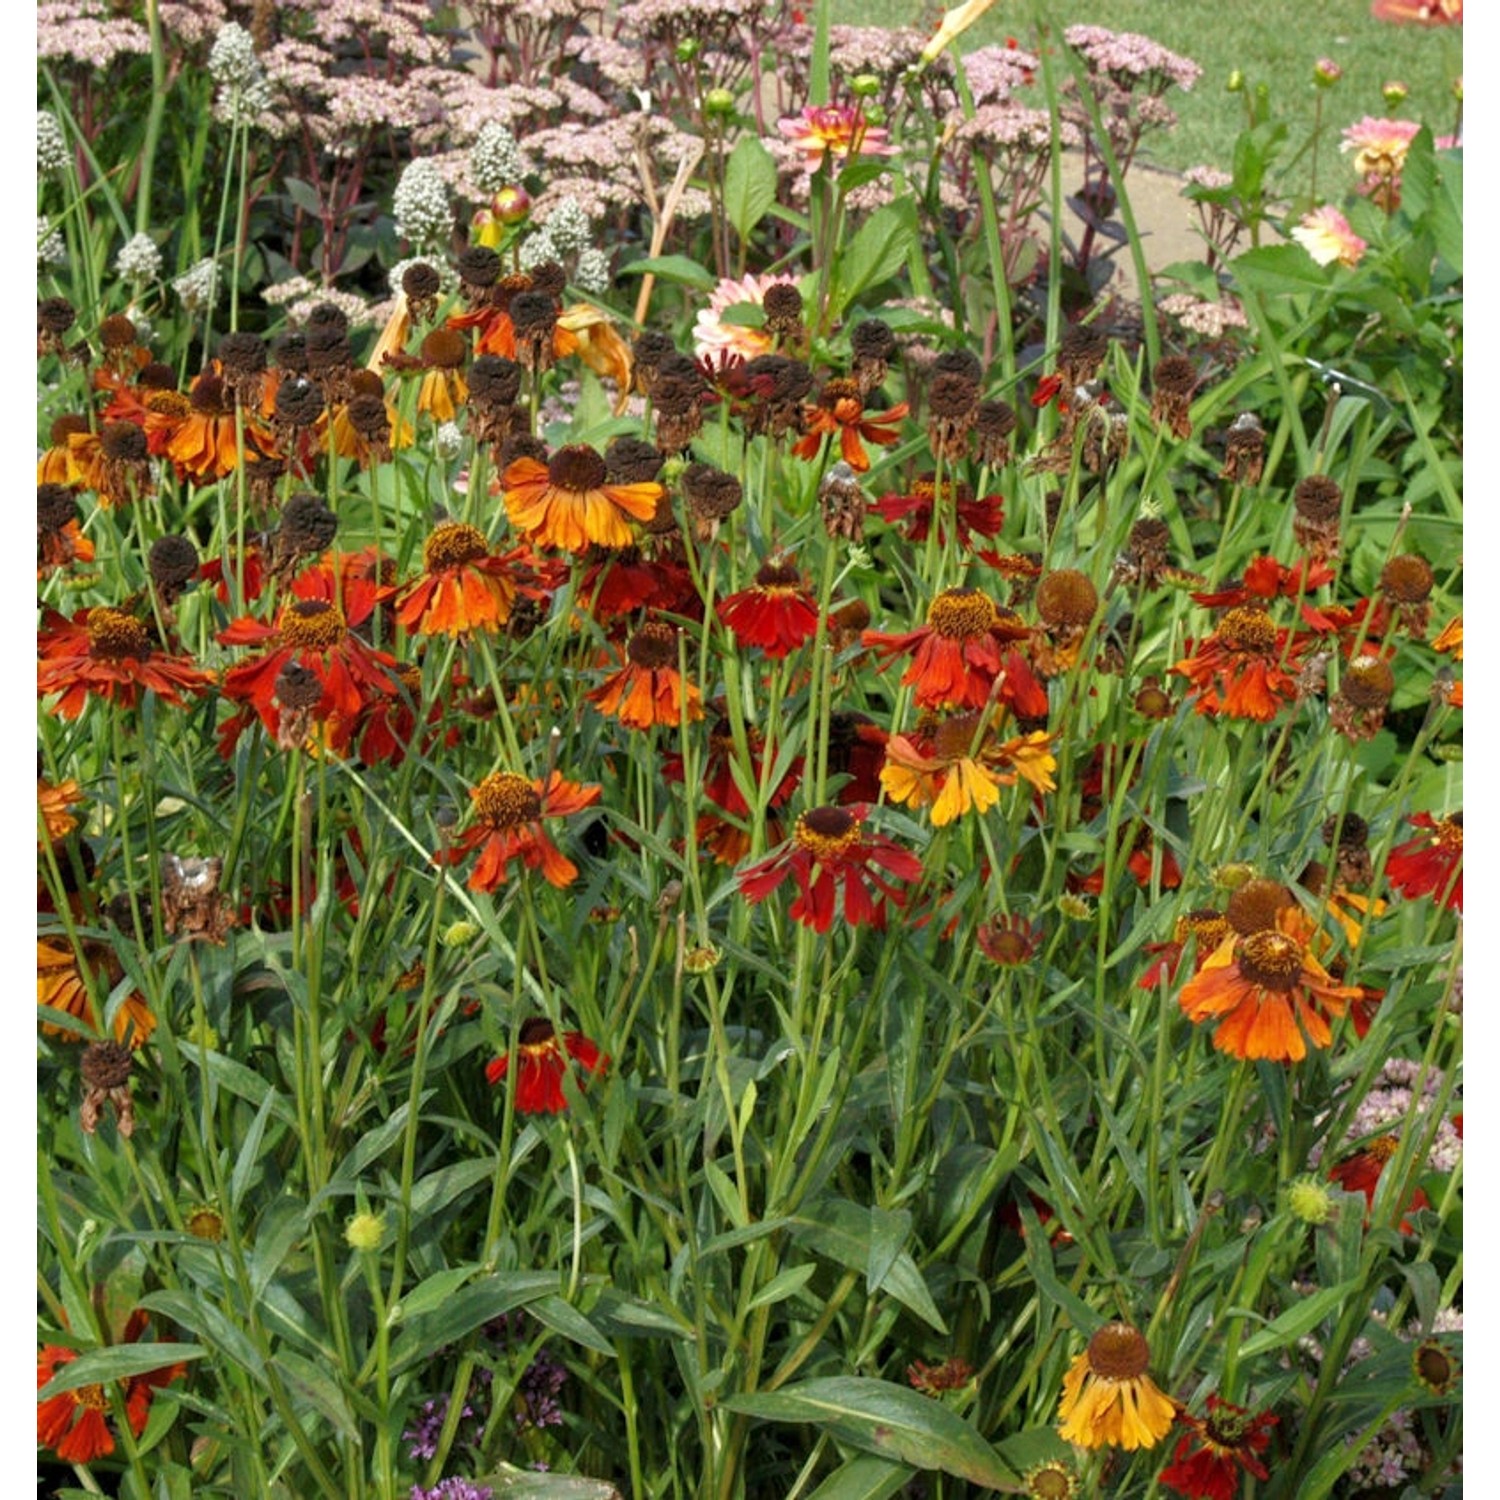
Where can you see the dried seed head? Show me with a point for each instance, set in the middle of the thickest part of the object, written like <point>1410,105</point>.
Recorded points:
<point>298,688</point>
<point>1066,599</point>
<point>533,314</point>
<point>1244,450</point>
<point>299,403</point>
<point>1176,375</point>
<point>55,507</point>
<point>478,267</point>
<point>421,282</point>
<point>783,308</point>
<point>242,354</point>
<point>444,349</point>
<point>290,351</point>
<point>105,1065</point>
<point>963,362</point>
<point>494,381</point>
<point>953,397</point>
<point>632,460</point>
<point>550,279</point>
<point>521,445</point>
<point>1406,579</point>
<point>123,443</point>
<point>711,493</point>
<point>156,376</point>
<point>1318,498</point>
<point>55,316</point>
<point>307,525</point>
<point>1254,906</point>
<point>369,418</point>
<point>653,647</point>
<point>328,315</point>
<point>1353,832</point>
<point>872,340</point>
<point>994,422</point>
<point>173,562</point>
<point>117,332</point>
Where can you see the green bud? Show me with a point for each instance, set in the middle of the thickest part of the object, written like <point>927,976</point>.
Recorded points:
<point>864,85</point>
<point>1310,1201</point>
<point>458,933</point>
<point>1236,84</point>
<point>364,1231</point>
<point>688,48</point>
<point>718,104</point>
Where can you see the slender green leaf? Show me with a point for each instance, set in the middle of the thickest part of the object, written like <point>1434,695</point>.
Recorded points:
<point>118,1362</point>
<point>864,1478</point>
<point>562,1317</point>
<point>1303,1316</point>
<point>888,1420</point>
<point>749,185</point>
<point>676,268</point>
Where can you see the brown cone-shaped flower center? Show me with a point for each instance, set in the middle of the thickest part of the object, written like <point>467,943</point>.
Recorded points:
<point>1118,1352</point>
<point>576,467</point>
<point>1318,498</point>
<point>312,624</point>
<point>1249,631</point>
<point>115,635</point>
<point>206,1223</point>
<point>117,332</point>
<point>1066,599</point>
<point>1450,833</point>
<point>93,1397</point>
<point>778,575</point>
<point>953,737</point>
<point>66,426</point>
<point>1271,960</point>
<point>506,800</point>
<point>1433,1367</point>
<point>1176,375</point>
<point>1382,1148</point>
<point>840,389</point>
<point>537,1034</point>
<point>1407,580</point>
<point>827,832</point>
<point>1369,682</point>
<point>1051,1481</point>
<point>1253,907</point>
<point>453,545</point>
<point>653,646</point>
<point>962,614</point>
<point>444,349</point>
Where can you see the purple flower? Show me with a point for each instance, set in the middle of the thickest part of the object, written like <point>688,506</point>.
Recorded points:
<point>453,1489</point>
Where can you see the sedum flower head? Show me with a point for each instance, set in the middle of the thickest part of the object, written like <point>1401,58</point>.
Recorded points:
<point>448,441</point>
<point>198,286</point>
<point>50,247</point>
<point>139,259</point>
<point>568,227</point>
<point>51,145</point>
<point>592,272</point>
<point>244,94</point>
<point>495,160</point>
<point>423,213</point>
<point>537,249</point>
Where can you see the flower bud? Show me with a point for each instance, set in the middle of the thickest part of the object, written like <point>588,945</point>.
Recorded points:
<point>511,205</point>
<point>865,85</point>
<point>1394,92</point>
<point>718,104</point>
<point>688,48</point>
<point>364,1231</point>
<point>1326,72</point>
<point>1310,1201</point>
<point>1236,82</point>
<point>458,933</point>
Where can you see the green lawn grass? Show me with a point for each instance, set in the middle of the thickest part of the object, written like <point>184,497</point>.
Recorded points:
<point>1274,41</point>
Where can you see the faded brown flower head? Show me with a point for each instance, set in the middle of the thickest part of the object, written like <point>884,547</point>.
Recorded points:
<point>632,460</point>
<point>1173,382</point>
<point>1407,582</point>
<point>874,347</point>
<point>173,565</point>
<point>1080,354</point>
<point>1244,450</point>
<point>1317,504</point>
<point>1254,906</point>
<point>712,495</point>
<point>106,1081</point>
<point>994,422</point>
<point>191,902</point>
<point>842,503</point>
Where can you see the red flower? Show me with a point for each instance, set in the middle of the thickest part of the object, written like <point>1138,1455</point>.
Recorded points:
<point>508,814</point>
<point>1229,1438</point>
<point>777,613</point>
<point>1246,656</point>
<point>1433,865</point>
<point>1207,926</point>
<point>958,507</point>
<point>317,633</point>
<point>840,409</point>
<point>1360,1173</point>
<point>74,1424</point>
<point>829,851</point>
<point>1265,578</point>
<point>955,655</point>
<point>108,653</point>
<point>541,1065</point>
<point>620,583</point>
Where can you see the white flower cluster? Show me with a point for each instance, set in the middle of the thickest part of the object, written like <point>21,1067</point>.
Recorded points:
<point>50,249</point>
<point>244,94</point>
<point>568,227</point>
<point>537,249</point>
<point>198,286</point>
<point>423,213</point>
<point>51,145</point>
<point>495,160</point>
<point>448,441</point>
<point>139,260</point>
<point>592,272</point>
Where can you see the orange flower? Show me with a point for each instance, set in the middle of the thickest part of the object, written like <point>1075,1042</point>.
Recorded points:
<point>53,803</point>
<point>508,813</point>
<point>1451,638</point>
<point>1268,990</point>
<point>443,389</point>
<point>73,1424</point>
<point>1246,657</point>
<point>954,775</point>
<point>60,986</point>
<point>108,653</point>
<point>566,503</point>
<point>649,689</point>
<point>202,441</point>
<point>1109,1399</point>
<point>955,655</point>
<point>840,409</point>
<point>541,1065</point>
<point>463,587</point>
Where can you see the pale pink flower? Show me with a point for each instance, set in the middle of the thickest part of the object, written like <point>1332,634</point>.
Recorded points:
<point>712,336</point>
<point>1380,146</point>
<point>837,130</point>
<point>1423,12</point>
<point>1326,236</point>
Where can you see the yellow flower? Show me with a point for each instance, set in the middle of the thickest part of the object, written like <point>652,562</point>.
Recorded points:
<point>1109,1399</point>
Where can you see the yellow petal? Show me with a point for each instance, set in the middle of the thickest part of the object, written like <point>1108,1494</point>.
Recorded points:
<point>955,23</point>
<point>393,337</point>
<point>600,347</point>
